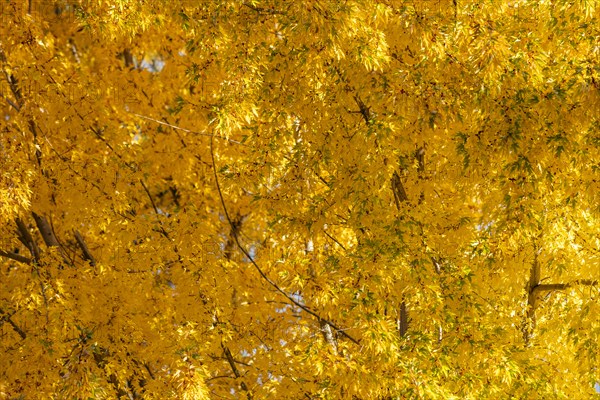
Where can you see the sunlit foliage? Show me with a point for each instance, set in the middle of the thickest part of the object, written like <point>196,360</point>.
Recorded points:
<point>299,199</point>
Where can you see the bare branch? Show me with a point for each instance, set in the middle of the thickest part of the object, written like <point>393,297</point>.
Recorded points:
<point>261,10</point>
<point>534,281</point>
<point>203,133</point>
<point>562,286</point>
<point>27,240</point>
<point>149,370</point>
<point>400,196</point>
<point>87,255</point>
<point>12,103</point>
<point>398,189</point>
<point>231,362</point>
<point>45,230</point>
<point>420,155</point>
<point>402,319</point>
<point>49,237</point>
<point>162,229</point>
<point>15,256</point>
<point>335,240</point>
<point>363,109</point>
<point>7,318</point>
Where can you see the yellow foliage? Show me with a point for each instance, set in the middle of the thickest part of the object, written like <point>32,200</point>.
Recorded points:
<point>393,199</point>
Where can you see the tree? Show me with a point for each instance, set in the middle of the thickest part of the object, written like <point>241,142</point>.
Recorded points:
<point>312,199</point>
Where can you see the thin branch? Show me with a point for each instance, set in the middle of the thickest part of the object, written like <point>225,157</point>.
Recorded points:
<point>87,255</point>
<point>12,103</point>
<point>562,286</point>
<point>363,109</point>
<point>15,256</point>
<point>257,267</point>
<point>149,370</point>
<point>187,130</point>
<point>8,319</point>
<point>420,156</point>
<point>335,240</point>
<point>231,362</point>
<point>16,328</point>
<point>27,240</point>
<point>12,81</point>
<point>398,189</point>
<point>162,229</point>
<point>261,10</point>
<point>532,284</point>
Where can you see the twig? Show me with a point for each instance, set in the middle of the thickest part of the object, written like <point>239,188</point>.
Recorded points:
<point>149,370</point>
<point>162,229</point>
<point>187,130</point>
<point>363,109</point>
<point>335,240</point>
<point>261,10</point>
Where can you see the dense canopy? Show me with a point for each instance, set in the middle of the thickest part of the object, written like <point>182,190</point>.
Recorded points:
<point>394,199</point>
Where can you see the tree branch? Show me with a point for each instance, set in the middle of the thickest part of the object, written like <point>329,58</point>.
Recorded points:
<point>236,372</point>
<point>548,287</point>
<point>8,319</point>
<point>45,230</point>
<point>398,189</point>
<point>399,197</point>
<point>15,256</point>
<point>261,10</point>
<point>335,240</point>
<point>257,267</point>
<point>363,109</point>
<point>187,130</point>
<point>402,319</point>
<point>162,229</point>
<point>12,103</point>
<point>27,240</point>
<point>87,255</point>
<point>534,281</point>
